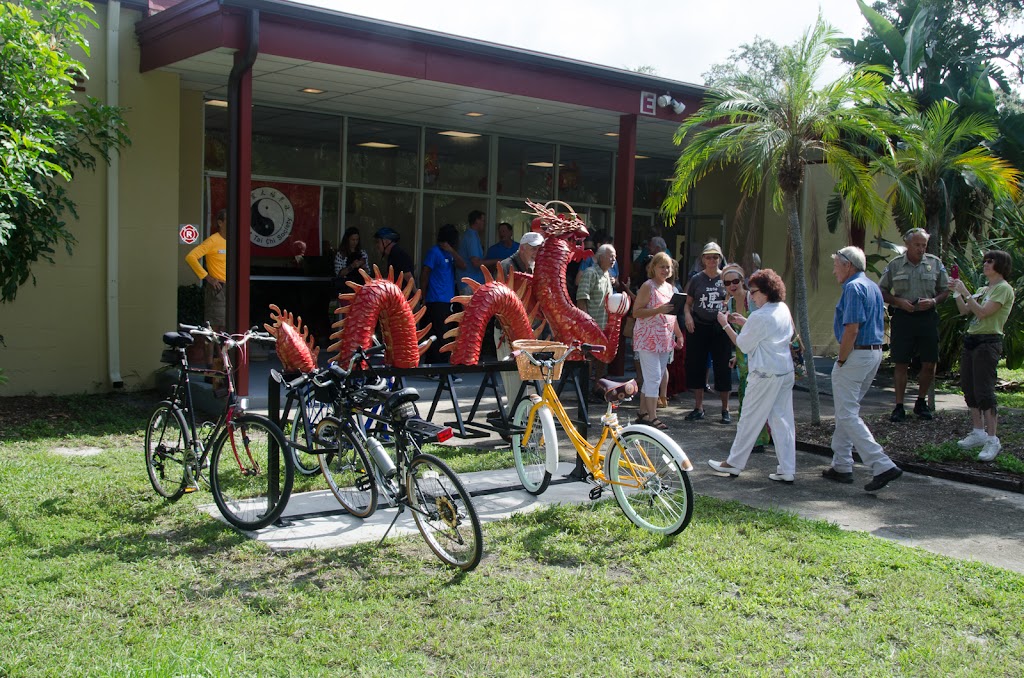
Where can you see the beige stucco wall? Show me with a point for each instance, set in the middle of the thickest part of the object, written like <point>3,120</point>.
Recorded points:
<point>56,330</point>
<point>823,290</point>
<point>190,176</point>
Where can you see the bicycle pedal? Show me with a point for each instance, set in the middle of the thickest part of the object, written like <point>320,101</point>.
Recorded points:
<point>595,493</point>
<point>189,489</point>
<point>363,484</point>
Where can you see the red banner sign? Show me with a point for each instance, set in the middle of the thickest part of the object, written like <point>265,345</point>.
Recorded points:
<point>284,219</point>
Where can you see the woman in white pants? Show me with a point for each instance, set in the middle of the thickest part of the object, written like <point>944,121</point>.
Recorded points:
<point>764,337</point>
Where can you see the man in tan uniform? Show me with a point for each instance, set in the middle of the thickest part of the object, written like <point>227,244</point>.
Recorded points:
<point>913,284</point>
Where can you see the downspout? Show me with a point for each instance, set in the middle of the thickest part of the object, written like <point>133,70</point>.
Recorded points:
<point>239,182</point>
<point>234,164</point>
<point>113,203</point>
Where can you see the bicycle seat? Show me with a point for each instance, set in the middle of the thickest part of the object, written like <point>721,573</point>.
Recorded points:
<point>615,391</point>
<point>177,339</point>
<point>406,395</point>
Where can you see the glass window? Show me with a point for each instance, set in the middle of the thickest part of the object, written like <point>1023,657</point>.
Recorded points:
<point>298,144</point>
<point>513,212</point>
<point>584,176</point>
<point>456,163</point>
<point>439,210</point>
<point>652,175</point>
<point>526,168</point>
<point>370,209</point>
<point>383,154</point>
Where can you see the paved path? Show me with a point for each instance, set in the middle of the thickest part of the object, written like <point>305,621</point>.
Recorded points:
<point>963,521</point>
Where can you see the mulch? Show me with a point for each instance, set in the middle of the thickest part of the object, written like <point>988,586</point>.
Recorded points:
<point>903,440</point>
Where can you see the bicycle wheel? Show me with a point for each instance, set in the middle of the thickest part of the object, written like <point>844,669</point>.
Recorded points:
<point>530,454</point>
<point>444,512</point>
<point>168,450</point>
<point>650,487</point>
<point>347,470</point>
<point>250,476</point>
<point>305,463</point>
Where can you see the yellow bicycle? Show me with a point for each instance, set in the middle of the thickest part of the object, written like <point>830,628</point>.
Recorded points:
<point>646,469</point>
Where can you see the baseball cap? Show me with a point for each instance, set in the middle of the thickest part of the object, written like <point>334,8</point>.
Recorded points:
<point>854,255</point>
<point>712,248</point>
<point>532,238</point>
<point>387,233</point>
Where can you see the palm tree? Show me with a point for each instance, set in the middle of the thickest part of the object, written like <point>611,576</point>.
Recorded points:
<point>939,149</point>
<point>771,128</point>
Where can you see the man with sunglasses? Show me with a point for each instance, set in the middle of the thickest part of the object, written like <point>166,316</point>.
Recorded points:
<point>913,285</point>
<point>859,326</point>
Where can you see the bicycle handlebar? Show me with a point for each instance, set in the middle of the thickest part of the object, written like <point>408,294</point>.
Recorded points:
<point>548,358</point>
<point>230,340</point>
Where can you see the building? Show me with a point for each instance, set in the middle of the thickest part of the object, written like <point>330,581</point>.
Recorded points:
<point>359,123</point>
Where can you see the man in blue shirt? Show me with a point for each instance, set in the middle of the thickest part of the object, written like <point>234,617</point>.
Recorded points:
<point>471,249</point>
<point>859,327</point>
<point>506,246</point>
<point>437,280</point>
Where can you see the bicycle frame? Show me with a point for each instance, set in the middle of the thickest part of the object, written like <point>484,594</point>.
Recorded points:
<point>593,457</point>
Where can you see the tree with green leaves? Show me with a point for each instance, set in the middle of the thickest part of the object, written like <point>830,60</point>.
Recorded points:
<point>938,147</point>
<point>47,132</point>
<point>772,131</point>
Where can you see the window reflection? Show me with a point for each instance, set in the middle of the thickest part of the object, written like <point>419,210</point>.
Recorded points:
<point>455,163</point>
<point>383,154</point>
<point>526,169</point>
<point>584,175</point>
<point>370,209</point>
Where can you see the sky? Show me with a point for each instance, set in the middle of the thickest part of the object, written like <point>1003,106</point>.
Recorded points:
<point>680,39</point>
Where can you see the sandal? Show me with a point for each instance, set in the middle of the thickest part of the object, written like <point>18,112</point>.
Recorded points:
<point>642,418</point>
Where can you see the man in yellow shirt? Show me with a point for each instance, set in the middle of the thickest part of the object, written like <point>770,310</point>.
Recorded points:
<point>214,251</point>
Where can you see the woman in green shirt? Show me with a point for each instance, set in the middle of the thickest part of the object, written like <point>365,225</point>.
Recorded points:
<point>983,346</point>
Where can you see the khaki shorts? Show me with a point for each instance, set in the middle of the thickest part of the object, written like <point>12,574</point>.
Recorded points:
<point>215,303</point>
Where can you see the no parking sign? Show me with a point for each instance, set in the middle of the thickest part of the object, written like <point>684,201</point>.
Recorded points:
<point>188,234</point>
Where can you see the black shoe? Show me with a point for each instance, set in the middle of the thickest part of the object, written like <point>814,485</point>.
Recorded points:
<point>883,479</point>
<point>696,415</point>
<point>898,414</point>
<point>832,474</point>
<point>494,415</point>
<point>922,411</point>
<point>758,449</point>
<point>726,417</point>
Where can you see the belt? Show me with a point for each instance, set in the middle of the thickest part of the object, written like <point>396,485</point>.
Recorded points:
<point>868,347</point>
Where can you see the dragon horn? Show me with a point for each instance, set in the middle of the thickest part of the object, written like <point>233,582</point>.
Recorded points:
<point>376,271</point>
<point>418,315</point>
<point>453,332</point>
<point>473,285</point>
<point>424,345</point>
<point>410,285</point>
<point>366,276</point>
<point>455,317</point>
<point>448,348</point>
<point>487,274</point>
<point>461,299</point>
<point>422,333</point>
<point>416,299</point>
<point>391,273</point>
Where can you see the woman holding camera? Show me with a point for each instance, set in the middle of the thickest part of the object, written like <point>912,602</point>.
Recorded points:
<point>983,346</point>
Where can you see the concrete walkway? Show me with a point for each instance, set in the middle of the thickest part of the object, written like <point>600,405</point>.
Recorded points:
<point>954,519</point>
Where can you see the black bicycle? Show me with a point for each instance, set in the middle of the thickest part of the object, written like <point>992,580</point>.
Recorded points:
<point>394,467</point>
<point>241,457</point>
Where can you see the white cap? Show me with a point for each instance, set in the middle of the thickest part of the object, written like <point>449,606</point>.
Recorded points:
<point>532,238</point>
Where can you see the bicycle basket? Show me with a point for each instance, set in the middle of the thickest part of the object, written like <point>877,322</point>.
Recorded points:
<point>527,370</point>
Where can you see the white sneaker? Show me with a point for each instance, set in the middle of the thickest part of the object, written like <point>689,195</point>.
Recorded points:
<point>976,438</point>
<point>991,449</point>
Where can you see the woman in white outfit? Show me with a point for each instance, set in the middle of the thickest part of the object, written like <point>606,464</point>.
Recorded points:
<point>764,337</point>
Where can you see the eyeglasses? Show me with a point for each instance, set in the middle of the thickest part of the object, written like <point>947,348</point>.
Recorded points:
<point>988,261</point>
<point>753,291</point>
<point>730,283</point>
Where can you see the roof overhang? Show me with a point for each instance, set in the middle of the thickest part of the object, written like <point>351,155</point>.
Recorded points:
<point>368,67</point>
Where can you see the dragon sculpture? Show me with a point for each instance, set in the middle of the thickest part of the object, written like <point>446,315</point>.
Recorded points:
<point>295,348</point>
<point>544,293</point>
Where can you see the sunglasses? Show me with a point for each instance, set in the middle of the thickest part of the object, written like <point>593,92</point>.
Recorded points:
<point>730,283</point>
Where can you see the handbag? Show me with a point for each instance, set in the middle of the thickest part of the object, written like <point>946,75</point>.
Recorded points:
<point>797,351</point>
<point>627,326</point>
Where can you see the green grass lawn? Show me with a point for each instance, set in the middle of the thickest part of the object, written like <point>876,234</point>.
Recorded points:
<point>101,577</point>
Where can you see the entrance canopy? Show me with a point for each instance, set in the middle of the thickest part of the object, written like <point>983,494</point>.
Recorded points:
<point>332,62</point>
